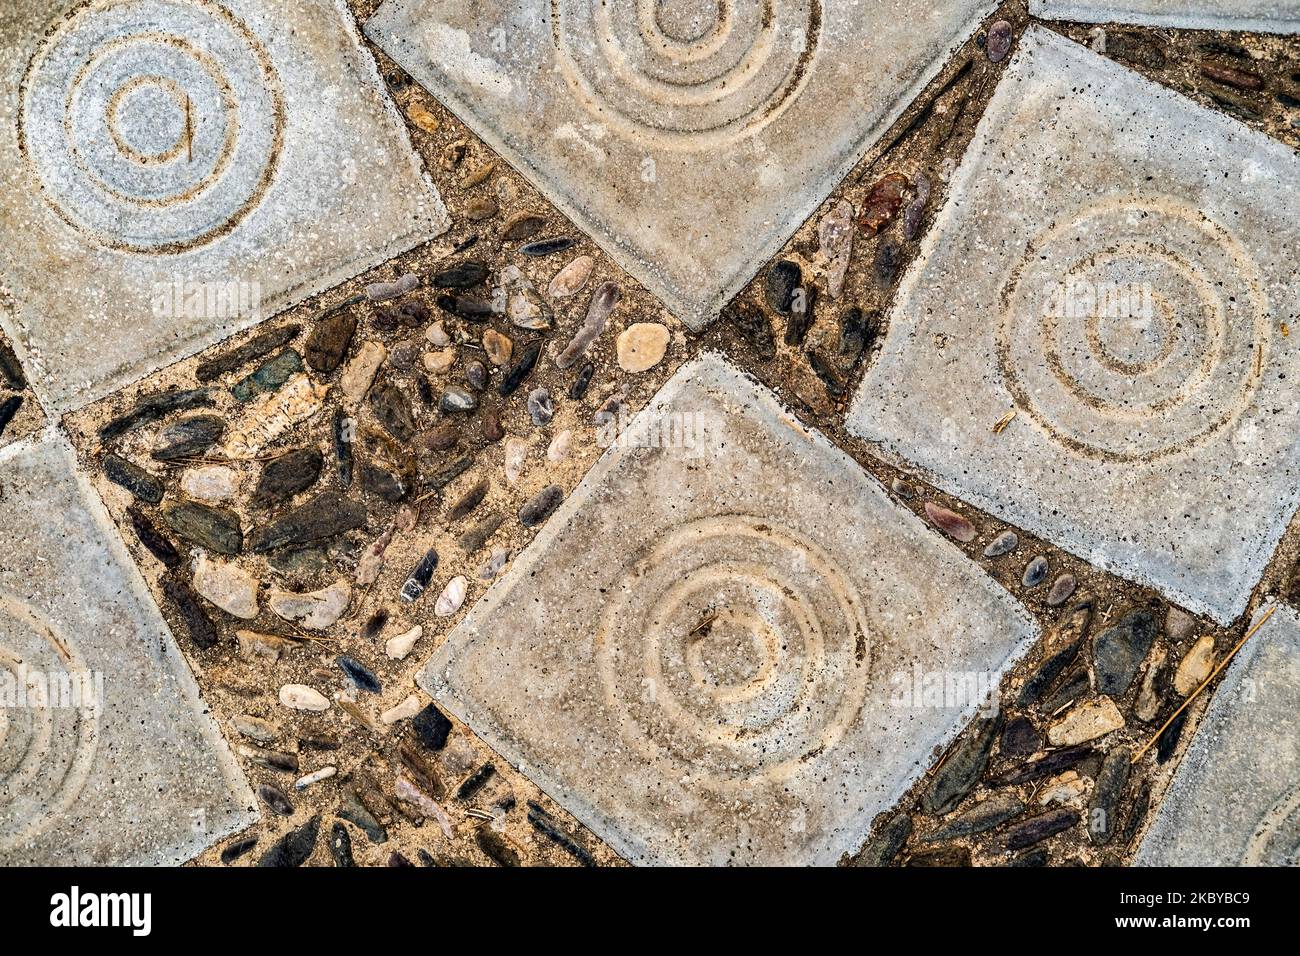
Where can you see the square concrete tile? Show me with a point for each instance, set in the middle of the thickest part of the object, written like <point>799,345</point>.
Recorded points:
<point>690,138</point>
<point>1115,265</point>
<point>704,660</point>
<point>107,755</point>
<point>1236,798</point>
<point>1264,16</point>
<point>172,171</point>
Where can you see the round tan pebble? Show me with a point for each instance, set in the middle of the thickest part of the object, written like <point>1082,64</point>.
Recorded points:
<point>498,347</point>
<point>641,346</point>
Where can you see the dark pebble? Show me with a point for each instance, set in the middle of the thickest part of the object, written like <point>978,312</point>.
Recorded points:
<point>1039,828</point>
<point>1168,741</point>
<point>269,376</point>
<point>356,813</point>
<point>887,841</point>
<point>286,476</point>
<point>382,483</point>
<point>8,410</point>
<point>1107,795</point>
<point>359,674</point>
<point>1020,738</point>
<point>578,390</point>
<point>463,275</point>
<point>1053,762</point>
<point>325,516</point>
<point>985,815</point>
<point>546,247</point>
<point>476,781</point>
<point>341,845</point>
<point>493,430</point>
<point>259,345</point>
<point>521,227</point>
<point>275,799</point>
<point>153,408</point>
<point>469,501</point>
<point>801,315</point>
<point>476,375</point>
<point>496,848</point>
<point>431,728</point>
<point>1232,76</point>
<point>198,625</point>
<point>540,506</point>
<point>1063,646</point>
<point>188,437</point>
<point>442,437</point>
<point>941,856</point>
<point>998,44</point>
<point>456,399</point>
<point>294,847</point>
<point>782,283</point>
<point>420,577</point>
<point>477,536</point>
<point>823,369</point>
<point>237,849</point>
<point>548,827</point>
<point>1061,590</point>
<point>857,330</point>
<point>962,770</point>
<point>520,368</point>
<point>466,307</point>
<point>343,431</point>
<point>450,473</point>
<point>133,478</point>
<point>152,539</point>
<point>754,328</point>
<point>318,742</point>
<point>374,624</point>
<point>329,341</point>
<point>1075,687</point>
<point>216,529</point>
<point>280,760</point>
<point>1120,650</point>
<point>1035,572</point>
<point>1030,858</point>
<point>393,411</point>
<point>11,368</point>
<point>886,262</point>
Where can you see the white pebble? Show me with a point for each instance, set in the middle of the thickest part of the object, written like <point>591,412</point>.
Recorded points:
<point>452,596</point>
<point>403,711</point>
<point>302,697</point>
<point>398,647</point>
<point>316,776</point>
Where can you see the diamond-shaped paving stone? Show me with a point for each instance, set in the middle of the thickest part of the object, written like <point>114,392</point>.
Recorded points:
<point>706,662</point>
<point>107,755</point>
<point>1267,16</point>
<point>690,138</point>
<point>245,145</point>
<point>1155,432</point>
<point>1236,798</point>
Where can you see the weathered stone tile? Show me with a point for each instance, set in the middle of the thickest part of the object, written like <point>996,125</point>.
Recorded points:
<point>688,138</point>
<point>705,661</point>
<point>106,753</point>
<point>1236,798</point>
<point>172,171</point>
<point>1115,267</point>
<point>1264,16</point>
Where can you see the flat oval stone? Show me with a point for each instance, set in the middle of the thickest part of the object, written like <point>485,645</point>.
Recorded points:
<point>275,799</point>
<point>520,369</point>
<point>302,697</point>
<point>641,346</point>
<point>949,522</point>
<point>998,44</point>
<point>521,226</point>
<point>1004,543</point>
<point>142,485</point>
<point>316,609</point>
<point>546,247</point>
<point>213,528</point>
<point>210,483</point>
<point>570,280</point>
<point>960,772</point>
<point>457,399</point>
<point>497,347</point>
<point>452,597</point>
<point>329,341</point>
<point>476,375</point>
<point>294,847</point>
<point>419,577</point>
<point>283,477</point>
<point>1035,572</point>
<point>226,585</point>
<point>1061,590</point>
<point>359,674</point>
<point>1120,650</point>
<point>188,437</point>
<point>466,307</point>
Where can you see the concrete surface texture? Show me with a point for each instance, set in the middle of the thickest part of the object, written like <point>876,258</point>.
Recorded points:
<point>185,182</point>
<point>688,138</point>
<point>705,662</point>
<point>1266,16</point>
<point>1115,267</point>
<point>1236,798</point>
<point>107,753</point>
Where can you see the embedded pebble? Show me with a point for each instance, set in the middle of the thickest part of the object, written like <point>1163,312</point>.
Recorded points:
<point>1103,807</point>
<point>254,645</point>
<point>960,772</point>
<point>1039,828</point>
<point>142,485</point>
<point>1004,543</point>
<point>272,415</point>
<point>1087,721</point>
<point>420,577</point>
<point>1148,698</point>
<point>1120,650</point>
<point>452,597</point>
<point>1035,572</point>
<point>985,815</point>
<point>324,516</point>
<point>438,362</point>
<point>578,390</point>
<point>540,407</point>
<point>528,310</point>
<point>329,341</point>
<point>1020,738</point>
<point>442,437</point>
<point>641,346</point>
<point>316,776</point>
<point>521,226</point>
<point>882,202</point>
<point>1179,624</point>
<point>397,648</point>
<point>783,279</point>
<point>361,676</point>
<point>516,455</point>
<point>188,437</point>
<point>437,335</point>
<point>268,377</point>
<point>480,208</point>
<point>213,528</point>
<point>359,374</point>
<point>915,211</point>
<point>999,41</point>
<point>294,847</point>
<point>210,483</point>
<point>393,411</point>
<point>431,728</point>
<point>540,506</point>
<point>570,280</point>
<point>603,302</point>
<point>949,522</point>
<point>275,799</point>
<point>1195,666</point>
<point>496,563</point>
<point>316,609</point>
<point>379,291</point>
<point>463,275</point>
<point>153,407</point>
<point>1061,590</point>
<point>520,369</point>
<point>468,502</point>
<point>457,399</point>
<point>341,846</point>
<point>226,585</point>
<point>260,344</point>
<point>835,244</point>
<point>403,711</point>
<point>1066,789</point>
<point>270,759</point>
<point>302,697</point>
<point>476,375</point>
<point>255,728</point>
<point>286,476</point>
<point>546,247</point>
<point>561,446</point>
<point>497,347</point>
